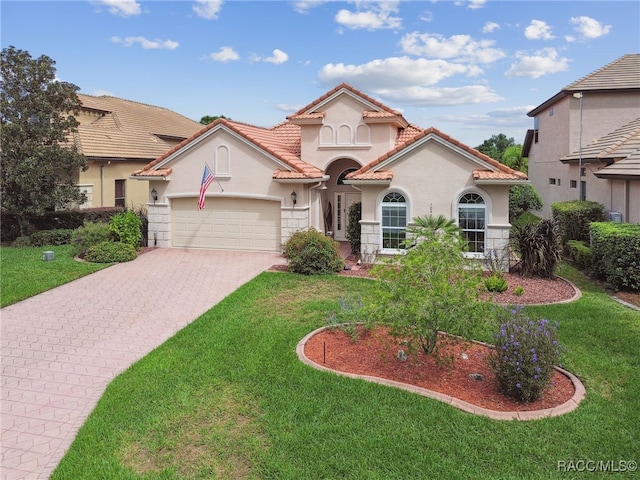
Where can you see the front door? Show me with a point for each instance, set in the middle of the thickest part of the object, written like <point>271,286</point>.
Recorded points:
<point>342,202</point>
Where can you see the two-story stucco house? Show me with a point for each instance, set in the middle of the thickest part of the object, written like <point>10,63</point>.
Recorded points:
<point>118,136</point>
<point>306,172</point>
<point>585,143</point>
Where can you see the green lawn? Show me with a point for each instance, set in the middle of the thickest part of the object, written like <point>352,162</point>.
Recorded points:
<point>226,397</point>
<point>24,273</point>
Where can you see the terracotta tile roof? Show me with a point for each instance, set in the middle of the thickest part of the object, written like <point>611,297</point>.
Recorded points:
<point>161,172</point>
<point>622,73</point>
<point>281,141</point>
<point>620,143</point>
<point>496,171</point>
<point>129,130</point>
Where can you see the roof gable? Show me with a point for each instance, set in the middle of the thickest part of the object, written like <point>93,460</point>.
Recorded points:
<point>489,169</point>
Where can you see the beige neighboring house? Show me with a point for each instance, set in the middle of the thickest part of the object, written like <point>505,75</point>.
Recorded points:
<point>118,136</point>
<point>585,143</point>
<point>345,147</point>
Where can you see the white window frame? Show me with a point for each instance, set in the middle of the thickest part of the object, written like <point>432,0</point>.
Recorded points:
<point>478,206</point>
<point>404,204</point>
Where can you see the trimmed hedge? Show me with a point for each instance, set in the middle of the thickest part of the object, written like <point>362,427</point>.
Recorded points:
<point>573,218</point>
<point>311,253</point>
<point>92,234</point>
<point>59,236</point>
<point>354,229</point>
<point>580,254</point>
<point>111,252</point>
<point>616,254</point>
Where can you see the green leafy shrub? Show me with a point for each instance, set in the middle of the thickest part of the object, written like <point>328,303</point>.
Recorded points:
<point>526,352</point>
<point>518,291</point>
<point>354,229</point>
<point>111,252</point>
<point>311,253</point>
<point>573,218</point>
<point>91,234</point>
<point>59,236</point>
<point>522,198</point>
<point>580,254</point>
<point>615,251</point>
<point>429,289</point>
<point>21,242</point>
<point>496,283</point>
<point>538,247</point>
<point>430,227</point>
<point>126,225</point>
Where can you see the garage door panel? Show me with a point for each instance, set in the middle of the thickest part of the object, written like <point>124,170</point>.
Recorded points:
<point>231,224</point>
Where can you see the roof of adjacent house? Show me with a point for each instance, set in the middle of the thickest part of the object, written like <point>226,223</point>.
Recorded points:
<point>128,130</point>
<point>283,143</point>
<point>623,74</point>
<point>619,144</point>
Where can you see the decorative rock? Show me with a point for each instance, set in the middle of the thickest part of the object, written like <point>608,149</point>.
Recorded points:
<point>402,356</point>
<point>464,356</point>
<point>476,376</point>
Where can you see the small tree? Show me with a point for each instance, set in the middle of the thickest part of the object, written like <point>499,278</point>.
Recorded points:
<point>496,146</point>
<point>430,288</point>
<point>39,161</point>
<point>354,229</point>
<point>522,198</point>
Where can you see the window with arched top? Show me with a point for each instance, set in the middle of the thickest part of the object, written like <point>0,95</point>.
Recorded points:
<point>394,220</point>
<point>472,220</point>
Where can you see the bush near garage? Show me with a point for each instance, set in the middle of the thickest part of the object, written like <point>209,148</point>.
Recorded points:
<point>615,250</point>
<point>111,252</point>
<point>91,234</point>
<point>310,252</point>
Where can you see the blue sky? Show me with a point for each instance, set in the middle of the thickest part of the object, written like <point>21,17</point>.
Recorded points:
<point>469,68</point>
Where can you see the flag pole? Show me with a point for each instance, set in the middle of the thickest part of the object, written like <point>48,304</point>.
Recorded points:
<point>214,176</point>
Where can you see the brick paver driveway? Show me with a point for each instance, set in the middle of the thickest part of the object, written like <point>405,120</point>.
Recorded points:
<point>61,348</point>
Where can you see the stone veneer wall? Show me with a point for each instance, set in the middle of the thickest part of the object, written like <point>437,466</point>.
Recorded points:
<point>292,220</point>
<point>498,239</point>
<point>369,240</point>
<point>159,216</point>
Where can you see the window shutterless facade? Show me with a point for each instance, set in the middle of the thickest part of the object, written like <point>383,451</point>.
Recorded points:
<point>472,221</point>
<point>394,221</point>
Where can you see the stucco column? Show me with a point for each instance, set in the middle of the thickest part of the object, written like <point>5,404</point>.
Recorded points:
<point>369,240</point>
<point>159,217</point>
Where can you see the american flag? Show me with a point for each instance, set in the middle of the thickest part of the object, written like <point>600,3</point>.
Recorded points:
<point>207,178</point>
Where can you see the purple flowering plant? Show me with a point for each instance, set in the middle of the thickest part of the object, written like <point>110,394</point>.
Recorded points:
<point>526,351</point>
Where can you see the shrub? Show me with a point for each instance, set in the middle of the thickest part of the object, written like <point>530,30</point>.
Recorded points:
<point>431,288</point>
<point>538,247</point>
<point>111,252</point>
<point>573,218</point>
<point>59,236</point>
<point>311,253</point>
<point>580,254</point>
<point>522,198</point>
<point>430,227</point>
<point>90,235</point>
<point>126,225</point>
<point>496,283</point>
<point>526,351</point>
<point>354,229</point>
<point>615,251</point>
<point>518,291</point>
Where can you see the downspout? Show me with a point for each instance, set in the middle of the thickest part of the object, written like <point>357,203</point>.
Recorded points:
<point>102,184</point>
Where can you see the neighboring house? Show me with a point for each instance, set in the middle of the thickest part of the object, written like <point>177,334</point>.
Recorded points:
<point>118,136</point>
<point>585,143</point>
<point>343,148</point>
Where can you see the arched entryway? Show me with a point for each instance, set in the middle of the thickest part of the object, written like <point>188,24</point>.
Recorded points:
<point>339,197</point>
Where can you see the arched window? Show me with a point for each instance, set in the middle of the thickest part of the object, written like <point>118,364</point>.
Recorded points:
<point>472,219</point>
<point>394,220</point>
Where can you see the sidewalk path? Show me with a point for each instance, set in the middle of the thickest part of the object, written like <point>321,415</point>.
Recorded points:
<point>61,348</point>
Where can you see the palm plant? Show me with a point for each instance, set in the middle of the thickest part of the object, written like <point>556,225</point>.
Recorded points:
<point>430,227</point>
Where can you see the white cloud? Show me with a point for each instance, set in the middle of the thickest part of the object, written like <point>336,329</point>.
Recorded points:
<point>538,30</point>
<point>402,72</point>
<point>287,108</point>
<point>145,43</point>
<point>304,6</point>
<point>377,15</point>
<point>490,27</point>
<point>422,96</point>
<point>208,9</point>
<point>590,28</point>
<point>125,8</point>
<point>100,93</point>
<point>457,47</point>
<point>225,54</point>
<point>427,16</point>
<point>471,4</point>
<point>535,66</point>
<point>278,57</point>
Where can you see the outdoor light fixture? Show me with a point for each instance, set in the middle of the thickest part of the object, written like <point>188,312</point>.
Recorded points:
<point>154,195</point>
<point>294,197</point>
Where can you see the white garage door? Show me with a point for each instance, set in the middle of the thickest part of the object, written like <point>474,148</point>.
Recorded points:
<point>227,224</point>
